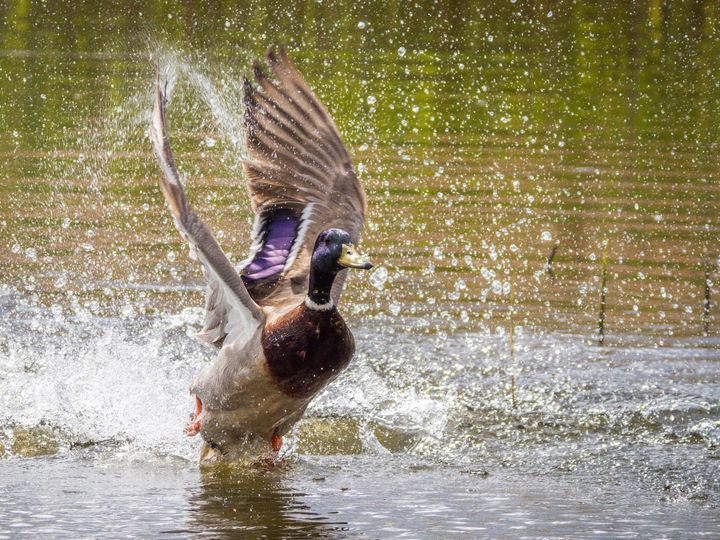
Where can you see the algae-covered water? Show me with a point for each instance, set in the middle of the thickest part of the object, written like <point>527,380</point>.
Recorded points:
<point>480,402</point>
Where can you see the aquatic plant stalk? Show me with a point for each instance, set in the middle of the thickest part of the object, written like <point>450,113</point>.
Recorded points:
<point>551,256</point>
<point>511,335</point>
<point>603,291</point>
<point>706,301</point>
<point>512,359</point>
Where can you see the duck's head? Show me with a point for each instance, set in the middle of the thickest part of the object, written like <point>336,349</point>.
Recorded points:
<point>334,251</point>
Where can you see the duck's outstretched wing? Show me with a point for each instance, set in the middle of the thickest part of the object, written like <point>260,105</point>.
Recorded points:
<point>230,310</point>
<point>300,178</point>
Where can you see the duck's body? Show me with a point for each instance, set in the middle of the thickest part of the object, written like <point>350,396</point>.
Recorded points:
<point>306,349</point>
<point>280,336</point>
<point>262,387</point>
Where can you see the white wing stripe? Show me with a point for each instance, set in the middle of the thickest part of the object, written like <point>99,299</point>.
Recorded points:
<point>256,239</point>
<point>305,222</point>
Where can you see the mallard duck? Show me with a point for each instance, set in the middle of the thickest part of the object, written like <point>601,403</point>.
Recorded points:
<point>274,319</point>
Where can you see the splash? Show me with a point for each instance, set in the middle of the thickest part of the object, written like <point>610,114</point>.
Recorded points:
<point>93,379</point>
<point>123,380</point>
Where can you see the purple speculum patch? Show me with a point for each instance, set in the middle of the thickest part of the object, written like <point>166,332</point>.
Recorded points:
<point>280,230</point>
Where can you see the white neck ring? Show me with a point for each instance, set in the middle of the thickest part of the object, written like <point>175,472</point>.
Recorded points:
<point>318,307</point>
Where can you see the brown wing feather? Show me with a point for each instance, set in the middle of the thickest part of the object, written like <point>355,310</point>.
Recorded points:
<point>295,158</point>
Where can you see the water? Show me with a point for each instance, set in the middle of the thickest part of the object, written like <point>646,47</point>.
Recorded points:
<point>325,497</point>
<point>484,137</point>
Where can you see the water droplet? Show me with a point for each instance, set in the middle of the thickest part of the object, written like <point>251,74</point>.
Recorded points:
<point>379,277</point>
<point>438,253</point>
<point>60,282</point>
<point>492,252</point>
<point>401,51</point>
<point>490,38</point>
<point>394,309</point>
<point>546,236</point>
<point>16,249</point>
<point>371,100</point>
<point>361,25</point>
<point>210,142</point>
<point>31,254</point>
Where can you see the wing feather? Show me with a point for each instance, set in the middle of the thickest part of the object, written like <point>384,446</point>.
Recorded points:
<point>230,310</point>
<point>296,159</point>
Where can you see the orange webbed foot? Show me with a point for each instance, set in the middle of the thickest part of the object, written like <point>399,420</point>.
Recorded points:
<point>193,427</point>
<point>276,442</point>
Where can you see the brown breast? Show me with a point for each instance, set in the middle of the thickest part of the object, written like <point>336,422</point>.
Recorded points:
<point>305,349</point>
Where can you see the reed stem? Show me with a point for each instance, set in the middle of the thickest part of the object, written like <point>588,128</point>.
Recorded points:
<point>511,343</point>
<point>511,334</point>
<point>603,291</point>
<point>706,301</point>
<point>551,256</point>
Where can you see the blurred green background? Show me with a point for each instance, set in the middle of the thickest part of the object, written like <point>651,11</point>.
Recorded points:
<point>484,134</point>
